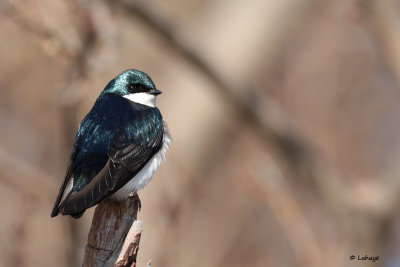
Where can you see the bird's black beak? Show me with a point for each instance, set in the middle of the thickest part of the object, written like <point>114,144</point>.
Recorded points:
<point>154,91</point>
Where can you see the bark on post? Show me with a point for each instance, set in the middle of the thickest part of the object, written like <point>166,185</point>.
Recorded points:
<point>108,240</point>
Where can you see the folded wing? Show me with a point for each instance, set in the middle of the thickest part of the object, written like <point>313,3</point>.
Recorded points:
<point>126,159</point>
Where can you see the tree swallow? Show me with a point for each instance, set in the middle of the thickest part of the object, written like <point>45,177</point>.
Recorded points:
<point>118,147</point>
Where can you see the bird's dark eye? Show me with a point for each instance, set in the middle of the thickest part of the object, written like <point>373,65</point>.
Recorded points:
<point>136,88</point>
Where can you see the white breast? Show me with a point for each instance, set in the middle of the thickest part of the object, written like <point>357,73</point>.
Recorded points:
<point>146,173</point>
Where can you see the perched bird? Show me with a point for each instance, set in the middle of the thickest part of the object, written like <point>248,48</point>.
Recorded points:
<point>118,147</point>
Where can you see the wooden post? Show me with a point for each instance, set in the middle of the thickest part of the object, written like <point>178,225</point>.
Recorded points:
<point>109,243</point>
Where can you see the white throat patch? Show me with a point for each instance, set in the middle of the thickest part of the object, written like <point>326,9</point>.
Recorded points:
<point>142,98</point>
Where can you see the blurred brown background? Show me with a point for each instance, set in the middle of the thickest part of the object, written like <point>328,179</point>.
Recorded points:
<point>284,116</point>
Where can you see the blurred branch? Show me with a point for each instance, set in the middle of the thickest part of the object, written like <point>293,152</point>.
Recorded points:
<point>108,240</point>
<point>386,17</point>
<point>141,10</point>
<point>55,47</point>
<point>267,117</point>
<point>288,212</point>
<point>252,106</point>
<point>25,23</point>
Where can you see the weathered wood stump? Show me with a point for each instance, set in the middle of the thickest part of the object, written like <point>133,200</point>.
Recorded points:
<point>108,242</point>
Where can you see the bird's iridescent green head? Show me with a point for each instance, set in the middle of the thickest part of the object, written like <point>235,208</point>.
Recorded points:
<point>134,85</point>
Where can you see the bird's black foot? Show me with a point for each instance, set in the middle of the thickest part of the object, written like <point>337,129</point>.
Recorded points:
<point>136,199</point>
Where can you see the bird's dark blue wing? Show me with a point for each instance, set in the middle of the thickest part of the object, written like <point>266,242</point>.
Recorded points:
<point>68,175</point>
<point>125,142</point>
